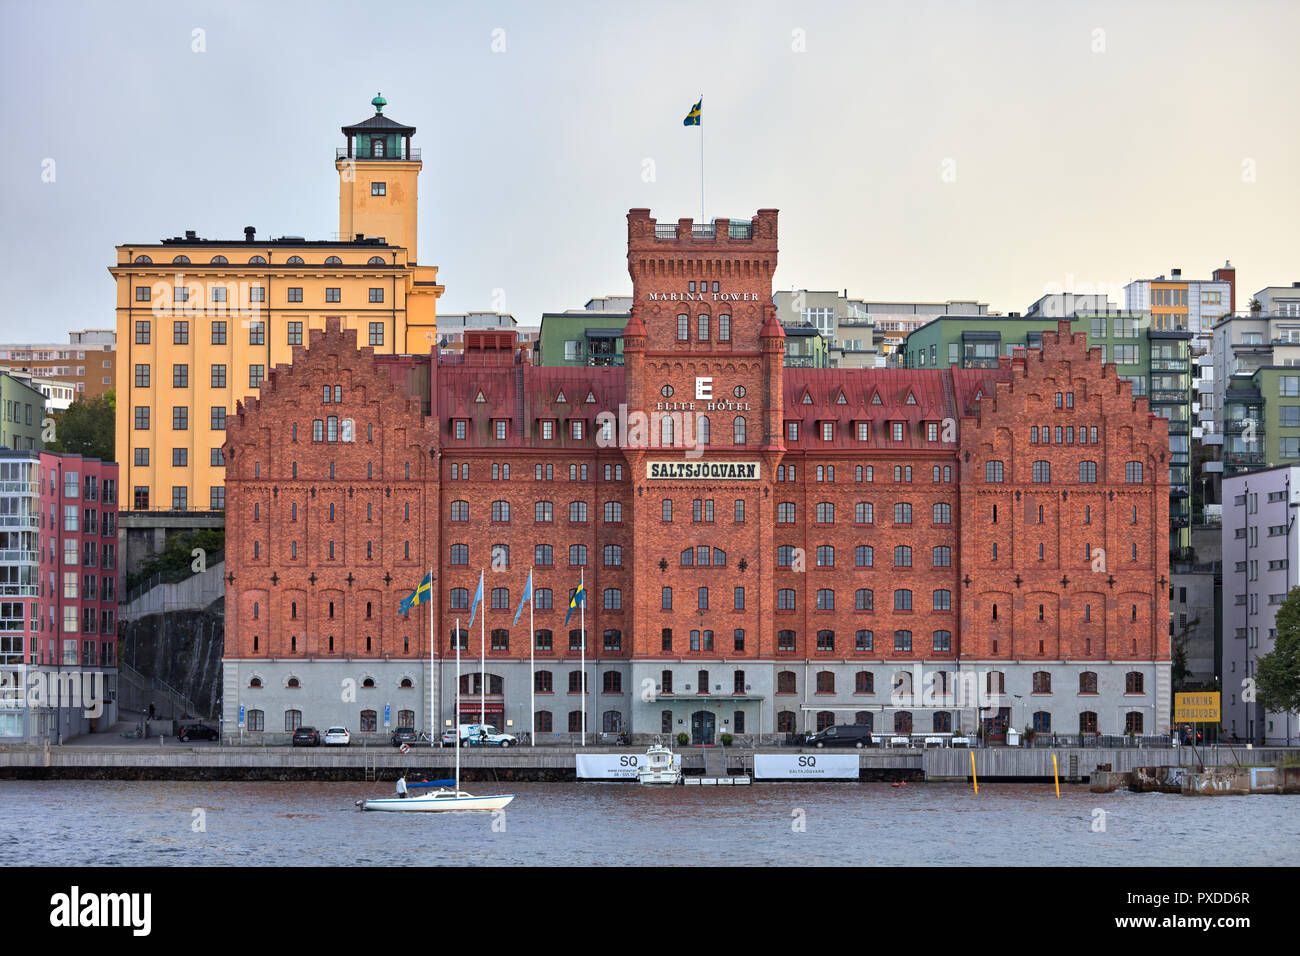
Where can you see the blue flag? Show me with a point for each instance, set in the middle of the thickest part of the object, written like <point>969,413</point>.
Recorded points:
<point>528,596</point>
<point>694,116</point>
<point>478,599</point>
<point>578,600</point>
<point>422,593</point>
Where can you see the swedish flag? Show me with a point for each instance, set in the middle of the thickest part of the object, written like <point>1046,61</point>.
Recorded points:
<point>694,116</point>
<point>578,600</point>
<point>421,594</point>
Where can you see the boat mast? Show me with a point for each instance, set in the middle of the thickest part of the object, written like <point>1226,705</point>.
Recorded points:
<point>456,716</point>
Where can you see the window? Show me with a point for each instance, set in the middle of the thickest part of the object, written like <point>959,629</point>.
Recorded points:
<point>543,512</point>
<point>294,333</point>
<point>942,513</point>
<point>863,512</point>
<point>180,418</point>
<point>942,600</point>
<point>180,333</point>
<point>941,556</point>
<point>902,600</point>
<point>863,599</point>
<point>825,599</point>
<point>256,375</point>
<point>902,513</point>
<point>460,511</point>
<point>1088,472</point>
<point>993,470</point>
<point>863,556</point>
<point>902,556</point>
<point>142,333</point>
<point>785,600</point>
<point>903,641</point>
<point>1133,682</point>
<point>376,295</point>
<point>1042,472</point>
<point>256,333</point>
<point>577,555</point>
<point>1133,472</point>
<point>613,512</point>
<point>1088,682</point>
<point>792,431</point>
<point>784,510</point>
<point>683,328</point>
<point>577,511</point>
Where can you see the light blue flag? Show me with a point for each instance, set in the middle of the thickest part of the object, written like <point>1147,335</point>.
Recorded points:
<point>478,599</point>
<point>528,596</point>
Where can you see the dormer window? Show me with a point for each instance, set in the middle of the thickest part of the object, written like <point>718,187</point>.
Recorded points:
<point>896,431</point>
<point>377,149</point>
<point>931,431</point>
<point>548,430</point>
<point>499,429</point>
<point>828,431</point>
<point>460,427</point>
<point>575,429</point>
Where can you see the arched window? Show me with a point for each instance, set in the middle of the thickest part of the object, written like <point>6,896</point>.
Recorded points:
<point>942,722</point>
<point>257,260</point>
<point>993,471</point>
<point>1133,682</point>
<point>703,433</point>
<point>1088,722</point>
<point>255,721</point>
<point>254,682</point>
<point>406,718</point>
<point>785,722</point>
<point>369,722</point>
<point>293,261</point>
<point>902,722</point>
<point>1088,472</point>
<point>1042,722</point>
<point>143,260</point>
<point>1042,682</point>
<point>405,683</point>
<point>181,260</point>
<point>785,682</point>
<point>375,261</point>
<point>1133,722</point>
<point>1042,472</point>
<point>825,719</point>
<point>333,261</point>
<point>666,430</point>
<point>785,600</point>
<point>864,682</point>
<point>825,682</point>
<point>219,260</point>
<point>738,431</point>
<point>1088,682</point>
<point>1133,472</point>
<point>292,720</point>
<point>612,682</point>
<point>293,682</point>
<point>377,147</point>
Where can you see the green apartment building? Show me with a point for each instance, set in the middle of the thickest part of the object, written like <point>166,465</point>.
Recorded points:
<point>1156,361</point>
<point>21,410</point>
<point>1261,419</point>
<point>590,336</point>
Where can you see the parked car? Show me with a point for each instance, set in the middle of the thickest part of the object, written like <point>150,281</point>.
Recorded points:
<point>404,735</point>
<point>485,735</point>
<point>337,737</point>
<point>842,735</point>
<point>306,737</point>
<point>199,732</point>
<point>466,732</point>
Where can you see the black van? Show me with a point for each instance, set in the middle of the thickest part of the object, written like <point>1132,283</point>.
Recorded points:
<point>841,735</point>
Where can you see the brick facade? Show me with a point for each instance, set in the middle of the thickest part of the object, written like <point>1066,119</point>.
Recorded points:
<point>825,500</point>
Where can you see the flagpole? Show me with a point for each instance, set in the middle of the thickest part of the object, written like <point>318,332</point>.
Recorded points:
<point>702,219</point>
<point>582,623</point>
<point>456,717</point>
<point>482,656</point>
<point>532,665</point>
<point>433,683</point>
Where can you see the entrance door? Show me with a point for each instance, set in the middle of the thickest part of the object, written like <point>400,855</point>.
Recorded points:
<point>702,722</point>
<point>995,728</point>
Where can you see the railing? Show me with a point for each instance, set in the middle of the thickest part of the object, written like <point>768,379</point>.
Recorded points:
<point>979,363</point>
<point>19,557</point>
<point>169,509</point>
<point>171,577</point>
<point>605,360</point>
<point>740,230</point>
<point>1169,365</point>
<point>1168,395</point>
<point>703,232</point>
<point>857,323</point>
<point>341,152</point>
<point>1179,428</point>
<point>1243,458</point>
<point>800,361</point>
<point>1238,426</point>
<point>665,231</point>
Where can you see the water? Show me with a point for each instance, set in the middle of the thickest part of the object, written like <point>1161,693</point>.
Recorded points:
<point>119,823</point>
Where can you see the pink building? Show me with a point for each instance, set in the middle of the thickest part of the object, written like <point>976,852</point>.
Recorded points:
<point>58,594</point>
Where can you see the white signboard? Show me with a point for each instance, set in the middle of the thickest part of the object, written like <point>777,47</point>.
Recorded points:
<point>705,470</point>
<point>806,766</point>
<point>614,766</point>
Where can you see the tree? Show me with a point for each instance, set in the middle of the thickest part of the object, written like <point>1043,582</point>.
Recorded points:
<point>1277,673</point>
<point>87,428</point>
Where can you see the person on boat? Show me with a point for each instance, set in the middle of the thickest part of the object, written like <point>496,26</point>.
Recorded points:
<point>401,787</point>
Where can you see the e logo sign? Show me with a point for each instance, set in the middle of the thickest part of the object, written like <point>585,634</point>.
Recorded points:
<point>704,388</point>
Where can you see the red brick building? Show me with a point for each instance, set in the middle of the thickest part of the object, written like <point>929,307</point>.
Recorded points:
<point>763,549</point>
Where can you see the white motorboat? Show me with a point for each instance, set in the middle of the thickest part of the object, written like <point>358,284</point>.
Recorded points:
<point>441,800</point>
<point>660,765</point>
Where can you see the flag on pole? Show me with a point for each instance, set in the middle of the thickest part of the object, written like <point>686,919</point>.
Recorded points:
<point>578,600</point>
<point>478,599</point>
<point>422,593</point>
<point>528,596</point>
<point>696,113</point>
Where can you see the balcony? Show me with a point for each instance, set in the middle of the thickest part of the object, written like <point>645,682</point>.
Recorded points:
<point>1237,426</point>
<point>800,361</point>
<point>604,361</point>
<point>1169,365</point>
<point>665,230</point>
<point>1177,396</point>
<point>857,323</point>
<point>1178,428</point>
<point>1243,458</point>
<point>979,363</point>
<point>411,155</point>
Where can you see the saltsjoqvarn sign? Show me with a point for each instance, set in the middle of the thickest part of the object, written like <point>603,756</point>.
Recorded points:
<point>718,470</point>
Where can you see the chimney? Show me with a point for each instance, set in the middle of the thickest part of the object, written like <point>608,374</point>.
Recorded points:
<point>249,232</point>
<point>1176,273</point>
<point>191,235</point>
<point>1228,274</point>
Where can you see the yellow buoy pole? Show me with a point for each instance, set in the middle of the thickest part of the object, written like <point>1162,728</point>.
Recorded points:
<point>1056,777</point>
<point>974,779</point>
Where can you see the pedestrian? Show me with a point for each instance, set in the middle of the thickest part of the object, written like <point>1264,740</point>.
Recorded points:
<point>401,787</point>
<point>152,710</point>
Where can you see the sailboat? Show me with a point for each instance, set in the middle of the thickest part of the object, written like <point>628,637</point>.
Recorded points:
<point>442,799</point>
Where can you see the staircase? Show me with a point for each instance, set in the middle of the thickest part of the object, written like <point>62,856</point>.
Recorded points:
<point>715,761</point>
<point>519,401</point>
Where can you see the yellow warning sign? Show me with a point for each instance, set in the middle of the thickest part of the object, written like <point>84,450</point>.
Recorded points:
<point>1201,707</point>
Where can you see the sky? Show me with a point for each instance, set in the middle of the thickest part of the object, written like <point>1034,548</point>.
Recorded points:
<point>917,151</point>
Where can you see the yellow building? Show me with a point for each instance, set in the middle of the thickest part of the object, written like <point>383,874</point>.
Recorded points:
<point>201,322</point>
